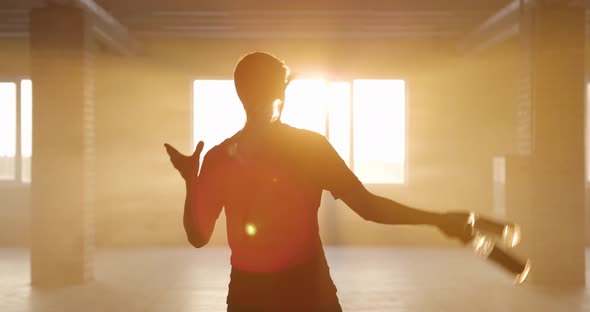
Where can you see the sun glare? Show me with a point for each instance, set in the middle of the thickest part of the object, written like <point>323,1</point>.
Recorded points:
<point>364,120</point>
<point>379,130</point>
<point>218,112</point>
<point>339,118</point>
<point>305,105</point>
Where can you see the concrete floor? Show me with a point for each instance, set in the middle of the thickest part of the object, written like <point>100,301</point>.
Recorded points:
<point>368,279</point>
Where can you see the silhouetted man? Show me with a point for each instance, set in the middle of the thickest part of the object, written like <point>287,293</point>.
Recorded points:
<point>269,177</point>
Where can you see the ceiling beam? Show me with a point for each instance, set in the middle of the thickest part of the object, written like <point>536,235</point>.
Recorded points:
<point>504,25</point>
<point>501,26</point>
<point>106,28</point>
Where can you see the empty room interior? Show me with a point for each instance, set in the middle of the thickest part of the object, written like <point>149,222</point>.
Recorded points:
<point>430,155</point>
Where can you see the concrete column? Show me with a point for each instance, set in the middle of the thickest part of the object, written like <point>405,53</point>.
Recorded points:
<point>549,183</point>
<point>63,147</point>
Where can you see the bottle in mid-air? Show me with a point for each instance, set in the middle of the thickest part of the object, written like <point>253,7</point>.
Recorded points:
<point>509,232</point>
<point>484,245</point>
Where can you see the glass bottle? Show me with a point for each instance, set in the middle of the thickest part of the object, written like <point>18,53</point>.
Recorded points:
<point>509,232</point>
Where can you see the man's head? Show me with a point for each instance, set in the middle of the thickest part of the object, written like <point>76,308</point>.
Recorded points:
<point>261,80</point>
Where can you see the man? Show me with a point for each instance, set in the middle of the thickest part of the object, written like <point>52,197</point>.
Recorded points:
<point>269,177</point>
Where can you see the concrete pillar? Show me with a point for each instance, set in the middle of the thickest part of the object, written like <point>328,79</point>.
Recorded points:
<point>63,147</point>
<point>547,190</point>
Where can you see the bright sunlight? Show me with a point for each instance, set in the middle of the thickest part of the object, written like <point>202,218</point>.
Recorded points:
<point>7,129</point>
<point>364,120</point>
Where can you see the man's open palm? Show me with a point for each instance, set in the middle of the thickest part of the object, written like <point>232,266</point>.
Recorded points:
<point>188,166</point>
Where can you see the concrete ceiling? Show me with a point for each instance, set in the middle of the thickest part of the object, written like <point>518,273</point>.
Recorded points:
<point>278,18</point>
<point>467,22</point>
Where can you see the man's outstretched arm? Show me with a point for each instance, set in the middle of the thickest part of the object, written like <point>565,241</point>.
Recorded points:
<point>202,204</point>
<point>382,210</point>
<point>337,178</point>
<point>193,235</point>
<point>378,209</point>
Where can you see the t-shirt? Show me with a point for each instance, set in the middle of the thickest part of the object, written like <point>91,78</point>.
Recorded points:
<point>271,186</point>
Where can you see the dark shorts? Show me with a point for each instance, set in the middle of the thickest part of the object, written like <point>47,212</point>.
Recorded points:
<point>304,288</point>
<point>236,308</point>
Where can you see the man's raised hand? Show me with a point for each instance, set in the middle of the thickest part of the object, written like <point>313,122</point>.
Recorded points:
<point>188,166</point>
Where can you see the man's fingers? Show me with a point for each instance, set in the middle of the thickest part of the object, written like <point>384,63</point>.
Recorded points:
<point>199,148</point>
<point>170,150</point>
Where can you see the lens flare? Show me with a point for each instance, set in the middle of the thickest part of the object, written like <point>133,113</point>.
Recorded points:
<point>250,229</point>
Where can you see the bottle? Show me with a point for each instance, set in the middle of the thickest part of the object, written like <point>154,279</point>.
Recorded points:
<point>511,235</point>
<point>511,264</point>
<point>485,246</point>
<point>482,244</point>
<point>509,232</point>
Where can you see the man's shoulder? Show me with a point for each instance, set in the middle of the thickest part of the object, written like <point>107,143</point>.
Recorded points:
<point>304,145</point>
<point>223,149</point>
<point>302,135</point>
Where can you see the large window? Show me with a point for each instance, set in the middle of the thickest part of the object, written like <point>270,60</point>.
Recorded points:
<point>379,130</point>
<point>363,119</point>
<point>15,130</point>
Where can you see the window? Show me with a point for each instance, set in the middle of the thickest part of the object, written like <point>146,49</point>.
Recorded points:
<point>379,130</point>
<point>15,130</point>
<point>305,105</point>
<point>364,120</point>
<point>218,112</point>
<point>339,111</point>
